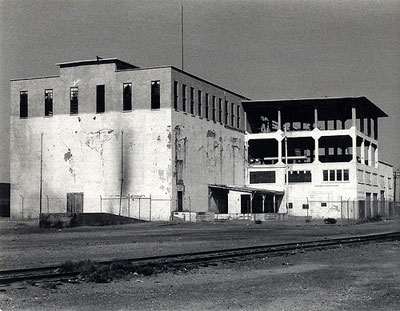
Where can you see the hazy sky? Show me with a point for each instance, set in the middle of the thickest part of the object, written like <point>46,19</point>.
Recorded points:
<point>261,49</point>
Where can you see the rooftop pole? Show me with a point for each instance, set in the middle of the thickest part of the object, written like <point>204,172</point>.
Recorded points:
<point>182,37</point>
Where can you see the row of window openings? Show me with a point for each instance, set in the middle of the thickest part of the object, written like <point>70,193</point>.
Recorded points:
<point>268,177</point>
<point>100,99</point>
<point>217,115</point>
<point>335,175</point>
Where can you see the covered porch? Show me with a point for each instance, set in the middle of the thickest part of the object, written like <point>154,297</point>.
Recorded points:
<point>241,202</point>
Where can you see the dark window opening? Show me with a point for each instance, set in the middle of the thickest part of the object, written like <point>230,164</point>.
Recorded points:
<point>23,104</point>
<point>176,95</point>
<point>100,99</point>
<point>192,100</point>
<point>331,175</point>
<point>300,150</point>
<point>323,204</point>
<point>220,110</point>
<point>226,112</point>
<point>207,106</point>
<point>290,205</point>
<point>263,151</point>
<point>232,114</point>
<point>345,174</point>
<point>238,116</point>
<point>267,177</point>
<point>73,100</point>
<point>48,103</point>
<point>325,175</point>
<point>199,102</point>
<point>338,175</point>
<point>183,97</point>
<point>155,94</point>
<point>299,176</point>
<point>127,96</point>
<point>213,109</point>
<point>305,206</point>
<point>335,149</point>
<point>180,201</point>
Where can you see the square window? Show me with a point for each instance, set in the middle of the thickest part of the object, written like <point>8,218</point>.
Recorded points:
<point>290,205</point>
<point>305,206</point>
<point>323,204</point>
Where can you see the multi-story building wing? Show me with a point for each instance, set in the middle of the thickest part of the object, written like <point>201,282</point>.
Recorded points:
<point>104,133</point>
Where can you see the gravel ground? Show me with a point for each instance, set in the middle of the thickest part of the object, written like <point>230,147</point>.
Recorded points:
<point>26,245</point>
<point>364,277</point>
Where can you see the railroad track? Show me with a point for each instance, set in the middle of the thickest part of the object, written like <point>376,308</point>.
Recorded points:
<point>56,272</point>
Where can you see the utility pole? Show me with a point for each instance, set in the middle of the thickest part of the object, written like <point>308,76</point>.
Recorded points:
<point>182,37</point>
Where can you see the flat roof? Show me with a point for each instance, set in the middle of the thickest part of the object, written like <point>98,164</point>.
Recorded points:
<point>119,63</point>
<point>364,106</point>
<point>246,189</point>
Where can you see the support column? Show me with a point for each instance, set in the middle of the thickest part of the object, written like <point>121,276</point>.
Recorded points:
<point>274,202</point>
<point>280,151</point>
<point>354,148</point>
<point>363,151</point>
<point>376,157</point>
<point>353,116</point>
<point>369,154</point>
<point>315,117</point>
<point>279,119</point>
<point>263,202</point>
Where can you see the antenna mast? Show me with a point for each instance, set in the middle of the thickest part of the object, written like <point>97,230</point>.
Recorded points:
<point>182,36</point>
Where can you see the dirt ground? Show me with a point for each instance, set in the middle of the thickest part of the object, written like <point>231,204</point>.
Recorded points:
<point>26,245</point>
<point>364,277</point>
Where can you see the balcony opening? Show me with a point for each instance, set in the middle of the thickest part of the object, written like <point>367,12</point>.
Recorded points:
<point>335,149</point>
<point>300,150</point>
<point>263,151</point>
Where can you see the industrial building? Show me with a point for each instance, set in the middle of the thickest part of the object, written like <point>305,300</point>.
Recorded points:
<point>107,136</point>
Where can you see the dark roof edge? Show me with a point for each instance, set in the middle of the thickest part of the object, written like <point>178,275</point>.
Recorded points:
<point>116,61</point>
<point>385,163</point>
<point>34,78</point>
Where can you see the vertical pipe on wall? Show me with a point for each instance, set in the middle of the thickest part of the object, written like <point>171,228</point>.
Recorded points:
<point>41,174</point>
<point>122,171</point>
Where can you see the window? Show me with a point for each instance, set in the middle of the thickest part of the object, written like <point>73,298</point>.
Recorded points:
<point>73,98</point>
<point>267,177</point>
<point>176,95</point>
<point>345,174</point>
<point>192,100</point>
<point>155,94</point>
<point>226,112</point>
<point>207,106</point>
<point>213,109</point>
<point>238,116</point>
<point>323,204</point>
<point>339,175</point>
<point>127,97</point>
<point>100,100</point>
<point>290,205</point>
<point>299,176</point>
<point>306,206</point>
<point>183,97</point>
<point>48,102</point>
<point>219,110</point>
<point>232,114</point>
<point>199,102</point>
<point>23,104</point>
<point>331,175</point>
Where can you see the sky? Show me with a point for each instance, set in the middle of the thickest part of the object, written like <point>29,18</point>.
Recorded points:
<point>268,49</point>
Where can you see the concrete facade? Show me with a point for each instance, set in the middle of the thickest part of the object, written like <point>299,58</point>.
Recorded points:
<point>197,150</point>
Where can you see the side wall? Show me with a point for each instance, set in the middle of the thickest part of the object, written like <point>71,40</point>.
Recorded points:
<point>82,153</point>
<point>204,152</point>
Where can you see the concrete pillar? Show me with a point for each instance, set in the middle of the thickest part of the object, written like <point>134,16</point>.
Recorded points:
<point>370,154</point>
<point>316,150</point>
<point>315,117</point>
<point>369,127</point>
<point>353,116</point>
<point>363,151</point>
<point>376,157</point>
<point>274,202</point>
<point>279,119</point>
<point>354,147</point>
<point>279,151</point>
<point>263,202</point>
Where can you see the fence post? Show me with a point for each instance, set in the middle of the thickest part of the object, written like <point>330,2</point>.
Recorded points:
<point>150,206</point>
<point>22,206</point>
<point>139,207</point>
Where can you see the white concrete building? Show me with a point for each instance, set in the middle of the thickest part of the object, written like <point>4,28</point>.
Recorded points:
<point>107,136</point>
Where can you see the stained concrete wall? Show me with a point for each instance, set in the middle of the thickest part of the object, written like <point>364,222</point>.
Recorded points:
<point>82,153</point>
<point>205,152</point>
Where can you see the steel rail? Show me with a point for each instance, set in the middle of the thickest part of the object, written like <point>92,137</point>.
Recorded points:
<point>54,272</point>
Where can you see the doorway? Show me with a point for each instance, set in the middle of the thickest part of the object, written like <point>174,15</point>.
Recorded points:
<point>75,202</point>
